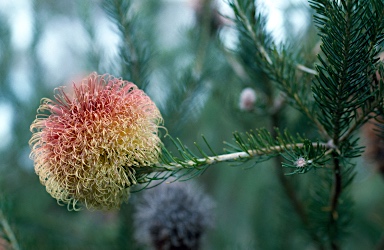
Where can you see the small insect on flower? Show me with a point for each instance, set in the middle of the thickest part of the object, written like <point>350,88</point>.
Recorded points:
<point>88,142</point>
<point>300,162</point>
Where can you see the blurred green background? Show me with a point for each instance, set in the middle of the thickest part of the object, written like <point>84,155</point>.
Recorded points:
<point>195,79</point>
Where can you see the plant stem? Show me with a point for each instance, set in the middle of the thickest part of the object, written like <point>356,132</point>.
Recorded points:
<point>338,112</point>
<point>248,27</point>
<point>335,195</point>
<point>296,204</point>
<point>8,231</point>
<point>210,160</point>
<point>306,69</point>
<point>204,37</point>
<point>289,189</point>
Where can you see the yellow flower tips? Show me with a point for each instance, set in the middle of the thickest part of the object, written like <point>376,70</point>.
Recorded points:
<point>86,145</point>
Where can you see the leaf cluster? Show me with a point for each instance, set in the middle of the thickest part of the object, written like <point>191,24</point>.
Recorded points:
<point>281,64</point>
<point>339,97</point>
<point>346,90</point>
<point>134,50</point>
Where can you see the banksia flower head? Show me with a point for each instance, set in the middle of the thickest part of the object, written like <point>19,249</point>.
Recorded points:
<point>88,141</point>
<point>173,216</point>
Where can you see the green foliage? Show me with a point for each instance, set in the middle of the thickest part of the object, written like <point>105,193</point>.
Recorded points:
<point>345,90</point>
<point>299,189</point>
<point>134,51</point>
<point>281,64</point>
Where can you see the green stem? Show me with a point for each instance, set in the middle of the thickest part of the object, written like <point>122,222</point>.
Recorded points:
<point>8,231</point>
<point>337,183</point>
<point>296,203</point>
<point>251,31</point>
<point>204,37</point>
<point>289,189</point>
<point>131,67</point>
<point>210,160</point>
<point>306,69</point>
<point>335,195</point>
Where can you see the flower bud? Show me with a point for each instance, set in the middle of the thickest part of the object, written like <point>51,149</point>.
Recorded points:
<point>247,99</point>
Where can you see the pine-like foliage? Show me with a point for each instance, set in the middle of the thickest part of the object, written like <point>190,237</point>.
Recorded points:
<point>346,91</point>
<point>134,51</point>
<point>346,95</point>
<point>290,173</point>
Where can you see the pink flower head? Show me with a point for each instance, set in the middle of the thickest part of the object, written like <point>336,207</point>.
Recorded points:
<point>86,145</point>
